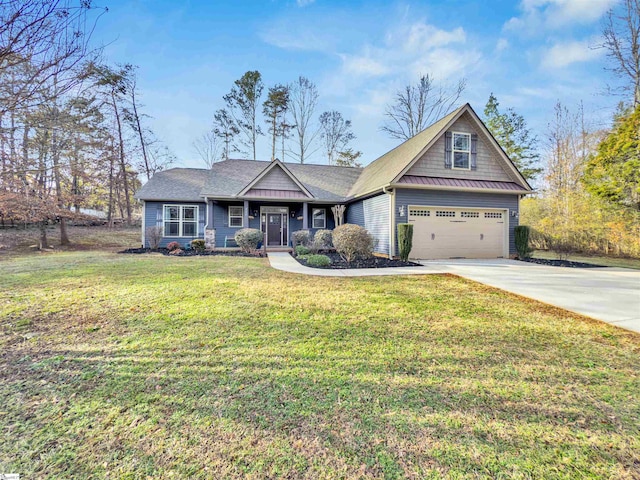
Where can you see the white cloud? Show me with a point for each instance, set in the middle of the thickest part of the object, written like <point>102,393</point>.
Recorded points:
<point>502,44</point>
<point>540,15</point>
<point>564,54</point>
<point>417,49</point>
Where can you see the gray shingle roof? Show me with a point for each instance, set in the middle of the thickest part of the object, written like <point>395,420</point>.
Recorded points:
<point>325,182</point>
<point>175,184</point>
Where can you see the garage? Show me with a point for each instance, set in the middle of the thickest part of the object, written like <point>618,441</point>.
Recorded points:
<point>452,232</point>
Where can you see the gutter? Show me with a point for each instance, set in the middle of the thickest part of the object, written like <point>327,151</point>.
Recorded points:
<point>392,220</point>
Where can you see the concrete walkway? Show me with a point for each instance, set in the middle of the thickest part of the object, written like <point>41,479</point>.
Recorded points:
<point>608,294</point>
<point>284,261</point>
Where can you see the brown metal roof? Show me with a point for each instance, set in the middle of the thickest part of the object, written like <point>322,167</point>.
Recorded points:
<point>262,193</point>
<point>459,183</point>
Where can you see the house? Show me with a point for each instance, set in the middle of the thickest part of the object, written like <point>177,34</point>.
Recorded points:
<point>452,181</point>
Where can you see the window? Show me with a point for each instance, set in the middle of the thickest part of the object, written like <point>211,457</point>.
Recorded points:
<point>236,215</point>
<point>180,220</point>
<point>319,218</point>
<point>470,214</point>
<point>445,213</point>
<point>461,150</point>
<point>493,215</point>
<point>417,212</point>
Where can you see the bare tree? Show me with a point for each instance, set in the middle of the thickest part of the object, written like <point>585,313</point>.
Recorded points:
<point>52,38</point>
<point>418,106</point>
<point>208,147</point>
<point>622,40</point>
<point>303,102</point>
<point>336,134</point>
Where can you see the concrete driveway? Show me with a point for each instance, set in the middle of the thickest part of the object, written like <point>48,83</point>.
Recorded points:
<point>608,294</point>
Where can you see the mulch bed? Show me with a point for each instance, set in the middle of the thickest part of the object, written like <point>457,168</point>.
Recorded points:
<point>337,263</point>
<point>560,263</point>
<point>194,253</point>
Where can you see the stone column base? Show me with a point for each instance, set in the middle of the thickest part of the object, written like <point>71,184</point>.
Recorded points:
<point>210,239</point>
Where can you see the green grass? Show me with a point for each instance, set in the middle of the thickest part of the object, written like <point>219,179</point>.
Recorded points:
<point>594,259</point>
<point>155,367</point>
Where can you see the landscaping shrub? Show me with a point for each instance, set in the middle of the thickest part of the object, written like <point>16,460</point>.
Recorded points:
<point>302,250</point>
<point>198,245</point>
<point>248,239</point>
<point>175,251</point>
<point>405,240</point>
<point>522,241</point>
<point>318,260</point>
<point>322,240</point>
<point>153,236</point>
<point>301,237</point>
<point>352,242</point>
<point>171,246</point>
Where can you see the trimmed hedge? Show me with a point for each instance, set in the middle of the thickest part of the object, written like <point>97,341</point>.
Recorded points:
<point>353,241</point>
<point>405,240</point>
<point>301,237</point>
<point>302,250</point>
<point>522,241</point>
<point>318,260</point>
<point>198,245</point>
<point>248,239</point>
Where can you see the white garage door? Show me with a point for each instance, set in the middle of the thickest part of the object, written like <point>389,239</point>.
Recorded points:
<point>442,232</point>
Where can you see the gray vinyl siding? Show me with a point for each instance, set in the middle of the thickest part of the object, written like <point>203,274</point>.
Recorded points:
<point>153,212</point>
<point>376,220</point>
<point>355,213</point>
<point>490,164</point>
<point>221,218</point>
<point>406,197</point>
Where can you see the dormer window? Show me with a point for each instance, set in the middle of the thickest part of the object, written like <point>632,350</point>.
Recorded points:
<point>461,151</point>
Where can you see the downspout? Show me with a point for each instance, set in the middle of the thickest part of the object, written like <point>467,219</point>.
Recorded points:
<point>392,221</point>
<point>144,219</point>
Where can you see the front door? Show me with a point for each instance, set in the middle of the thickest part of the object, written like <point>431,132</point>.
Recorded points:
<point>276,230</point>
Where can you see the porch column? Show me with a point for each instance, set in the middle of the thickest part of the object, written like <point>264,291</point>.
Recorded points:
<point>305,216</point>
<point>245,220</point>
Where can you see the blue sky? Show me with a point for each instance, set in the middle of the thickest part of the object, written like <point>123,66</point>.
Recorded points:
<point>530,53</point>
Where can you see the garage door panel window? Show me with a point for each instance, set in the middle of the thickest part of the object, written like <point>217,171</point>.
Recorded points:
<point>493,215</point>
<point>419,213</point>
<point>445,213</point>
<point>470,214</point>
<point>180,220</point>
<point>461,151</point>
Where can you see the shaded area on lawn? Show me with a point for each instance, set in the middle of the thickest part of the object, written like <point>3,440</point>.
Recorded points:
<point>222,367</point>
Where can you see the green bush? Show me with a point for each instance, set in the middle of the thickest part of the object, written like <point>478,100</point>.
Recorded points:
<point>318,260</point>
<point>198,245</point>
<point>248,239</point>
<point>405,240</point>
<point>352,242</point>
<point>171,246</point>
<point>322,240</point>
<point>302,250</point>
<point>522,241</point>
<point>301,237</point>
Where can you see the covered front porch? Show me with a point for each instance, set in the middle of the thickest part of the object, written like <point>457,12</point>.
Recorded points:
<point>276,219</point>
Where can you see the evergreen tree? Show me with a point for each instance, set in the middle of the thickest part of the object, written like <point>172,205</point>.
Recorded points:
<point>513,135</point>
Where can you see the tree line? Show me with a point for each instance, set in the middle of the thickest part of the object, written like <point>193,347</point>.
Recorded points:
<point>73,134</point>
<point>288,113</point>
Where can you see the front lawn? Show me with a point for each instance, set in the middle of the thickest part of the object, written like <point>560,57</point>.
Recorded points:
<point>126,366</point>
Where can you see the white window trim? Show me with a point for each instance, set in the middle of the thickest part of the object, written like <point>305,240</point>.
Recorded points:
<point>229,216</point>
<point>180,220</point>
<point>453,151</point>
<point>324,225</point>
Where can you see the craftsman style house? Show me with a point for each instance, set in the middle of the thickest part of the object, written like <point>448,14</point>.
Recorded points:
<point>452,181</point>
